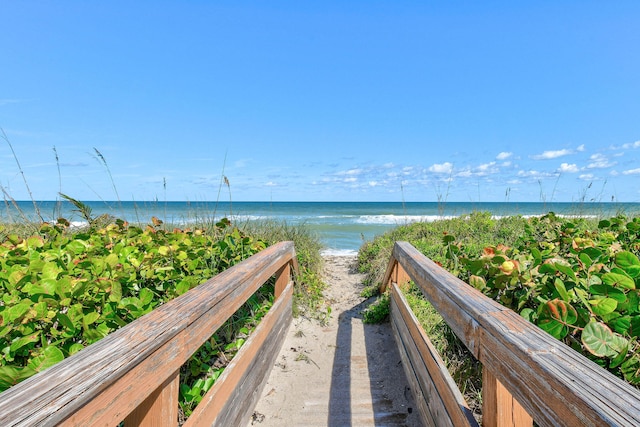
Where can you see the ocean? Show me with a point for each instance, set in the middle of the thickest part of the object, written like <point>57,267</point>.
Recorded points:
<point>341,226</point>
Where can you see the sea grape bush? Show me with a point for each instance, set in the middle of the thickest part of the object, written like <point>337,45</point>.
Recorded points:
<point>579,283</point>
<point>62,290</point>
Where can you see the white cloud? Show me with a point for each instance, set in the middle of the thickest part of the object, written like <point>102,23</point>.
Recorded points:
<point>586,176</point>
<point>465,173</point>
<point>551,154</point>
<point>445,167</point>
<point>569,168</point>
<point>503,155</point>
<point>631,145</point>
<point>580,148</point>
<point>631,172</point>
<point>599,161</point>
<point>487,168</point>
<point>355,171</point>
<point>536,174</point>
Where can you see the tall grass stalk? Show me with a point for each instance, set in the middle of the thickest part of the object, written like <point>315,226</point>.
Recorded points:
<point>101,159</point>
<point>57,213</point>
<point>222,177</point>
<point>24,178</point>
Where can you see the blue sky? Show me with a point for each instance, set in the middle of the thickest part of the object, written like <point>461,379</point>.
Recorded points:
<point>320,101</point>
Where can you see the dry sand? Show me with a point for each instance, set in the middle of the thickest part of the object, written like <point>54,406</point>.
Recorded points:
<point>344,373</point>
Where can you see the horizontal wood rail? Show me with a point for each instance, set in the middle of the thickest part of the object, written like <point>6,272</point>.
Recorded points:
<point>527,374</point>
<point>132,375</point>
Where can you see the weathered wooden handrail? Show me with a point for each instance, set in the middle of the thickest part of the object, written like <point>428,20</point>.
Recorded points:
<point>526,372</point>
<point>132,374</point>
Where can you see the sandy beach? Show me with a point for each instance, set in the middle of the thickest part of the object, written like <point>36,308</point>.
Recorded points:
<point>343,373</point>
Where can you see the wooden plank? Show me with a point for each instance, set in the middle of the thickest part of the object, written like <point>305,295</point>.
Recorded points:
<point>551,381</point>
<point>410,372</point>
<point>106,381</point>
<point>395,274</point>
<point>283,276</point>
<point>160,409</point>
<point>554,383</point>
<point>257,356</point>
<point>453,403</point>
<point>423,390</point>
<point>459,304</point>
<point>499,408</point>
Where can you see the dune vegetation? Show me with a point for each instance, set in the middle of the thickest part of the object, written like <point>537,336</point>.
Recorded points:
<point>576,278</point>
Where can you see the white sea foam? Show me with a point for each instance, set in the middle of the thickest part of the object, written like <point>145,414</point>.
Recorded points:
<point>338,252</point>
<point>400,219</point>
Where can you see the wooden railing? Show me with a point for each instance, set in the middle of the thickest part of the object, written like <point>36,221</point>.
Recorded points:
<point>527,374</point>
<point>132,375</point>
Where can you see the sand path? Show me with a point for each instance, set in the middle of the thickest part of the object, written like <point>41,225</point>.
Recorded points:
<point>342,374</point>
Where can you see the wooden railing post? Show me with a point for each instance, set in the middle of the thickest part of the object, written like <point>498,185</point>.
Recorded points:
<point>160,409</point>
<point>499,408</point>
<point>400,276</point>
<point>283,276</point>
<point>395,274</point>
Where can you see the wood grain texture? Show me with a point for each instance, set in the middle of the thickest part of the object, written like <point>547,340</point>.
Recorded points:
<point>160,409</point>
<point>555,384</point>
<point>106,381</point>
<point>446,403</point>
<point>232,396</point>
<point>499,407</point>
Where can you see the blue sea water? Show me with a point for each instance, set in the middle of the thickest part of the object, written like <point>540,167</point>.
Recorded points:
<point>341,226</point>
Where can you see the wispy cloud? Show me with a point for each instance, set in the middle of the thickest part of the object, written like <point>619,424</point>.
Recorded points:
<point>599,161</point>
<point>631,172</point>
<point>632,145</point>
<point>10,101</point>
<point>504,155</point>
<point>536,174</point>
<point>554,154</point>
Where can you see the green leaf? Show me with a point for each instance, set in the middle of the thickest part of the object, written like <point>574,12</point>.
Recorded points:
<point>566,270</point>
<point>65,321</point>
<point>146,296</point>
<point>630,369</point>
<point>634,327</point>
<point>90,318</point>
<point>17,311</point>
<point>629,262</point>
<point>116,291</point>
<point>12,375</point>
<point>75,348</point>
<point>589,255</point>
<point>21,342</point>
<point>603,305</point>
<point>622,355</point>
<point>562,291</point>
<point>608,291</point>
<point>618,279</point>
<point>477,282</point>
<point>598,339</point>
<point>50,271</point>
<point>555,317</point>
<point>621,324</point>
<point>528,314</point>
<point>49,357</point>
<point>111,260</point>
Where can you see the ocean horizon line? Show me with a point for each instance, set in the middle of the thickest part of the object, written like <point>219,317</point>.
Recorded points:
<point>591,202</point>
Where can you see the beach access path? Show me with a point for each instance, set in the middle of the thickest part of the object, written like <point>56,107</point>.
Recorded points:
<point>342,373</point>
